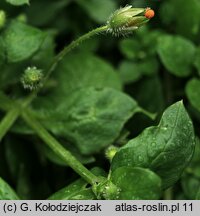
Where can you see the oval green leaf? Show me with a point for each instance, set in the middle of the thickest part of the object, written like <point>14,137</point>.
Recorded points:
<point>21,41</point>
<point>80,70</point>
<point>177,54</point>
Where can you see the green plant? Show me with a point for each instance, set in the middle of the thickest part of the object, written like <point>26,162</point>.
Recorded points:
<point>76,112</point>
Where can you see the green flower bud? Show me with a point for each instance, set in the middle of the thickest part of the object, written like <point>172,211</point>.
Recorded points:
<point>110,152</point>
<point>2,19</point>
<point>32,78</point>
<point>127,19</point>
<point>22,18</point>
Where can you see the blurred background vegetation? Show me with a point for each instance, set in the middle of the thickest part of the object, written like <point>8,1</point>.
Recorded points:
<point>158,64</point>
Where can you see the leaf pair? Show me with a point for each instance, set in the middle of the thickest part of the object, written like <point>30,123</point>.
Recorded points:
<point>165,149</point>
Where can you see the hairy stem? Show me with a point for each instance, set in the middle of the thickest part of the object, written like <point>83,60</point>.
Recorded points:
<point>73,45</point>
<point>59,149</point>
<point>64,52</point>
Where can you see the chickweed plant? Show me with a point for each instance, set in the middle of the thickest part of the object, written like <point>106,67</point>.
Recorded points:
<point>70,127</point>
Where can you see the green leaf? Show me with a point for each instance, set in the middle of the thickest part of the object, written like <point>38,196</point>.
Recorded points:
<point>177,54</point>
<point>91,118</point>
<point>11,73</point>
<point>75,191</point>
<point>6,192</point>
<point>193,92</point>
<point>166,149</point>
<point>21,41</point>
<point>98,10</point>
<point>18,2</point>
<point>136,183</point>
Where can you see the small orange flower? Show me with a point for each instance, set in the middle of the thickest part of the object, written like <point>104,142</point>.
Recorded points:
<point>149,13</point>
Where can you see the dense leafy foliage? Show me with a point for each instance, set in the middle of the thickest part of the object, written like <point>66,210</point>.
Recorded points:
<point>138,93</point>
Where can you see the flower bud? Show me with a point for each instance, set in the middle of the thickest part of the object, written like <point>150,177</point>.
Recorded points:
<point>22,18</point>
<point>32,78</point>
<point>2,19</point>
<point>110,152</point>
<point>127,19</point>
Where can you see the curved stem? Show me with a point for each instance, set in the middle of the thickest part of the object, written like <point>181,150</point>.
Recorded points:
<point>73,45</point>
<point>64,52</point>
